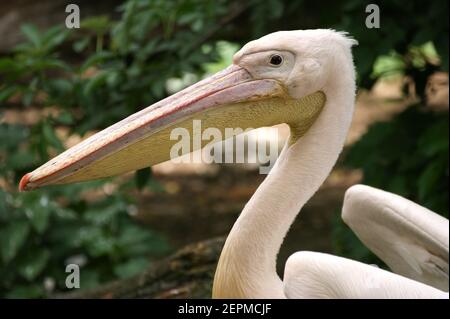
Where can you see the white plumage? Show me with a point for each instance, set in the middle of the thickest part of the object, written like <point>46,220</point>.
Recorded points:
<point>247,267</point>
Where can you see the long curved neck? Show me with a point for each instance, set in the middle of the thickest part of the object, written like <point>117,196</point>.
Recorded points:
<point>247,266</point>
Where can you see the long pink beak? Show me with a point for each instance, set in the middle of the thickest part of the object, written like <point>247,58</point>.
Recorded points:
<point>140,140</point>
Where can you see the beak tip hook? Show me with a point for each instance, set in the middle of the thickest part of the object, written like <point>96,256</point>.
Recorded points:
<point>24,182</point>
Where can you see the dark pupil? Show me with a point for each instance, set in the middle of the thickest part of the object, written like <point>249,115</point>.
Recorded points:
<point>276,59</point>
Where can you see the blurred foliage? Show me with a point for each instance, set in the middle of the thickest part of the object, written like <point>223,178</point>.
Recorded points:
<point>408,156</point>
<point>85,79</point>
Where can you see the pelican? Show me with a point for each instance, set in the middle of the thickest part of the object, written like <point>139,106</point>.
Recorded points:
<point>306,79</point>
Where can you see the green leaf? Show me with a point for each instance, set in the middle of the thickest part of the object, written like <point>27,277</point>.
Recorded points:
<point>12,135</point>
<point>98,24</point>
<point>32,34</point>
<point>61,86</point>
<point>7,92</point>
<point>97,58</point>
<point>21,160</point>
<point>12,238</point>
<point>49,63</point>
<point>34,264</point>
<point>54,37</point>
<point>81,44</point>
<point>387,65</point>
<point>95,82</point>
<point>131,267</point>
<point>39,215</point>
<point>65,118</point>
<point>50,136</point>
<point>133,240</point>
<point>65,214</point>
<point>28,97</point>
<point>8,65</point>
<point>101,246</point>
<point>3,203</point>
<point>103,216</point>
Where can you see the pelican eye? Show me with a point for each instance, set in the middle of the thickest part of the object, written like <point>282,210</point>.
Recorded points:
<point>276,59</point>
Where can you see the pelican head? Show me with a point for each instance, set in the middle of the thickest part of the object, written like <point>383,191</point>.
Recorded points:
<point>275,79</point>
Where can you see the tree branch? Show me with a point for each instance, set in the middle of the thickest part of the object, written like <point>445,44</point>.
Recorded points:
<point>186,274</point>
